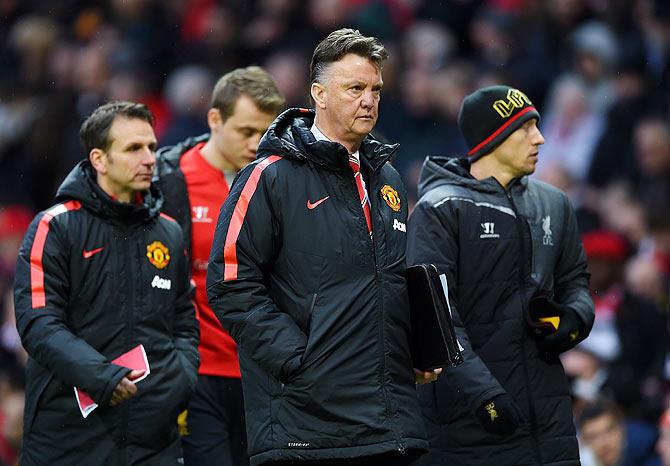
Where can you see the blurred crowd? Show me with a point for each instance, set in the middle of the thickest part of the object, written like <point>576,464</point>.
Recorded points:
<point>598,71</point>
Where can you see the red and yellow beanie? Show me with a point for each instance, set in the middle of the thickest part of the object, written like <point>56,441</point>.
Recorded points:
<point>489,115</point>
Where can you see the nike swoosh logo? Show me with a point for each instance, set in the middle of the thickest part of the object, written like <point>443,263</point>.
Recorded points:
<point>92,252</point>
<point>311,206</point>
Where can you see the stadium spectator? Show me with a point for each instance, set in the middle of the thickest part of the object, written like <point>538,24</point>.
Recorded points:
<point>195,177</point>
<point>501,239</point>
<point>610,439</point>
<point>663,443</point>
<point>98,274</point>
<point>307,273</point>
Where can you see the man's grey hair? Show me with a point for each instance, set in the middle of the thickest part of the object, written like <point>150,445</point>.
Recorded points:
<point>340,43</point>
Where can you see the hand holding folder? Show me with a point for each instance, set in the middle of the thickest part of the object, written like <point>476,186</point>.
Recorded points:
<point>433,339</point>
<point>135,359</point>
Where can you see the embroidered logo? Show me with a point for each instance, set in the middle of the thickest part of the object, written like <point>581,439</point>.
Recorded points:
<point>313,205</point>
<point>200,214</point>
<point>161,283</point>
<point>547,239</point>
<point>515,99</point>
<point>297,444</point>
<point>488,230</point>
<point>391,197</point>
<point>91,253</point>
<point>398,225</point>
<point>158,254</point>
<point>491,409</point>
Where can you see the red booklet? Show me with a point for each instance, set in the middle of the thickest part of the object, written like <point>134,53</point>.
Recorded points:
<point>135,359</point>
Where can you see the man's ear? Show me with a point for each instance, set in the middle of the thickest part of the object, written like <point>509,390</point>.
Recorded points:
<point>318,92</point>
<point>98,159</point>
<point>214,118</point>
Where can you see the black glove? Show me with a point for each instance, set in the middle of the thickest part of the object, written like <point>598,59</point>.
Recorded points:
<point>570,332</point>
<point>500,415</point>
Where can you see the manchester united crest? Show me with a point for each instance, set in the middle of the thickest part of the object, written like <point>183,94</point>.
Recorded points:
<point>158,254</point>
<point>391,197</point>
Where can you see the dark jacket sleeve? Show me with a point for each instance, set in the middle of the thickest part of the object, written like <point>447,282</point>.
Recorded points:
<point>571,279</point>
<point>244,248</point>
<point>186,331</point>
<point>43,328</point>
<point>433,239</point>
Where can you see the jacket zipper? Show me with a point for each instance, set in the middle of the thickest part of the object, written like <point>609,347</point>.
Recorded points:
<point>535,442</point>
<point>130,320</point>
<point>380,298</point>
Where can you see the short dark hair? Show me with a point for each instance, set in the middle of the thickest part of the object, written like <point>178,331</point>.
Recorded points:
<point>599,407</point>
<point>252,81</point>
<point>94,131</point>
<point>340,43</point>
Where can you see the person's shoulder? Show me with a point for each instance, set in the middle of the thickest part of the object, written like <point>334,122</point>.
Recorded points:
<point>168,221</point>
<point>168,157</point>
<point>442,194</point>
<point>545,189</point>
<point>269,166</point>
<point>60,212</point>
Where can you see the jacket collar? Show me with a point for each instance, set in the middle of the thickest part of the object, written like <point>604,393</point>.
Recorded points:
<point>290,136</point>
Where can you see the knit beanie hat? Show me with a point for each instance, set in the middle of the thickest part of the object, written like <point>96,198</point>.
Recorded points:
<point>489,115</point>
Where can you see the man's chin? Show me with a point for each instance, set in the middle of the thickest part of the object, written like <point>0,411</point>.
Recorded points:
<point>363,127</point>
<point>142,187</point>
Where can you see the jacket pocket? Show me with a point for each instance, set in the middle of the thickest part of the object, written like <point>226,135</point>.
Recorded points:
<point>310,323</point>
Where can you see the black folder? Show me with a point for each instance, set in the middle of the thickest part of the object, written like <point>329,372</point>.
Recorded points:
<point>433,338</point>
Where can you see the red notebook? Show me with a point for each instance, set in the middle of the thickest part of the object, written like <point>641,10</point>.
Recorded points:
<point>135,359</point>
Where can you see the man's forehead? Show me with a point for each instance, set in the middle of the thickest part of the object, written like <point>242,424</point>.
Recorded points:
<point>352,65</point>
<point>130,129</point>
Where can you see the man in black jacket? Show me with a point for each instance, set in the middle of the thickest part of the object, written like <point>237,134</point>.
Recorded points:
<point>307,273</point>
<point>195,178</point>
<point>101,274</point>
<point>518,290</point>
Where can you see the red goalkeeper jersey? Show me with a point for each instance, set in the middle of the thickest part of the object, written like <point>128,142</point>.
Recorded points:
<point>207,190</point>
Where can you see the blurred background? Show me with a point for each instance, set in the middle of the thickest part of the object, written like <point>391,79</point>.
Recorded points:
<point>598,71</point>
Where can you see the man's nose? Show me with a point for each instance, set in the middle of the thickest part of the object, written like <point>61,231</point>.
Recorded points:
<point>149,157</point>
<point>367,101</point>
<point>254,141</point>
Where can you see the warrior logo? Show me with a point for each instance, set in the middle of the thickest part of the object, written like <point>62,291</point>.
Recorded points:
<point>489,232</point>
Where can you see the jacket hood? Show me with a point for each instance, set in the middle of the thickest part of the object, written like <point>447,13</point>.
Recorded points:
<point>81,185</point>
<point>440,170</point>
<point>290,136</point>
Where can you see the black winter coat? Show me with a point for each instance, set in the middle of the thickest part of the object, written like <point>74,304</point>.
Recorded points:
<point>498,248</point>
<point>86,292</point>
<point>318,310</point>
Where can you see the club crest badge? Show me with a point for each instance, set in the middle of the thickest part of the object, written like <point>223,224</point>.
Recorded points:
<point>391,197</point>
<point>158,254</point>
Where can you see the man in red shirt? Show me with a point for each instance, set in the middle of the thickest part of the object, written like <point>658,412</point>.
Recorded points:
<point>195,177</point>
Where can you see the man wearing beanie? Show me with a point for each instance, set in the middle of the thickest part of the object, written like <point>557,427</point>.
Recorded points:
<point>517,288</point>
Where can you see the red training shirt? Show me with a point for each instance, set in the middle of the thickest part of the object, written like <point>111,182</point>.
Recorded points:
<point>207,190</point>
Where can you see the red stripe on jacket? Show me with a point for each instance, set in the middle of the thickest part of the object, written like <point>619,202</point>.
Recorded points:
<point>167,217</point>
<point>230,248</point>
<point>500,130</point>
<point>36,252</point>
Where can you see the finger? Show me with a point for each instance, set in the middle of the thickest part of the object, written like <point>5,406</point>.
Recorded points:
<point>128,387</point>
<point>135,374</point>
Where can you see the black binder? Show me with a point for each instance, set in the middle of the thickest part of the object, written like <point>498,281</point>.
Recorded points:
<point>433,338</point>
